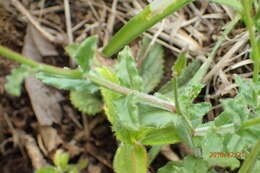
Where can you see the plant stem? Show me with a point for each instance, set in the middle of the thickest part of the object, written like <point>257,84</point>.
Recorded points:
<point>255,52</point>
<point>41,67</point>
<point>123,90</point>
<point>176,99</point>
<point>203,130</point>
<point>250,123</point>
<point>249,163</point>
<point>77,74</point>
<point>151,15</point>
<point>175,90</point>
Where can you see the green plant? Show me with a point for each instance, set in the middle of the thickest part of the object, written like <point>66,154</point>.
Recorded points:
<point>169,116</point>
<point>61,162</point>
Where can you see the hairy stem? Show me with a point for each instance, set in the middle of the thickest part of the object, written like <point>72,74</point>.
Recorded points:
<point>41,67</point>
<point>227,127</point>
<point>123,90</point>
<point>249,163</point>
<point>255,52</point>
<point>151,15</point>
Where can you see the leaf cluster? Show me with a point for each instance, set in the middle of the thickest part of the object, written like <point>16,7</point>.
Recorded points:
<point>140,116</point>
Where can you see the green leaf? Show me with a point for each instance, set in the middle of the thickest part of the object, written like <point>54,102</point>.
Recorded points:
<point>151,117</point>
<point>15,80</point>
<point>188,93</point>
<point>127,112</point>
<point>251,159</point>
<point>151,68</point>
<point>161,136</point>
<point>257,166</point>
<point>47,170</point>
<point>213,142</point>
<point>72,49</point>
<point>249,91</point>
<point>196,112</point>
<point>234,112</point>
<point>127,72</point>
<point>257,21</point>
<point>73,170</point>
<point>180,64</point>
<point>61,160</point>
<point>86,102</point>
<point>190,164</point>
<point>184,132</point>
<point>109,96</point>
<point>67,83</point>
<point>86,52</point>
<point>172,167</point>
<point>110,108</point>
<point>183,79</point>
<point>130,159</point>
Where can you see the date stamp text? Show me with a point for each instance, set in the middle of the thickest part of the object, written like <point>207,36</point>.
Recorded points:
<point>237,155</point>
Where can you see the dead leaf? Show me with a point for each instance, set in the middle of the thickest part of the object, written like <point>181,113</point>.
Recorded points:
<point>44,100</point>
<point>44,46</point>
<point>50,138</point>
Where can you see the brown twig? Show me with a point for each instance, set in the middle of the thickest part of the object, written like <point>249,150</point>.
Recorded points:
<point>36,24</point>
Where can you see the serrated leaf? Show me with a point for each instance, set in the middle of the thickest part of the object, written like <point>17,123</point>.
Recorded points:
<point>130,159</point>
<point>184,132</point>
<point>67,83</point>
<point>234,112</point>
<point>196,112</point>
<point>225,162</point>
<point>86,52</point>
<point>213,142</point>
<point>188,93</point>
<point>61,160</point>
<point>127,72</point>
<point>72,49</point>
<point>190,164</point>
<point>127,112</point>
<point>161,137</point>
<point>86,102</point>
<point>249,91</point>
<point>47,170</point>
<point>108,95</point>
<point>180,64</point>
<point>151,69</point>
<point>15,80</point>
